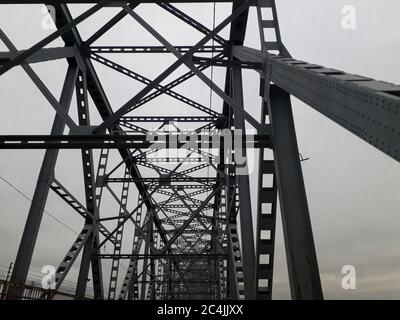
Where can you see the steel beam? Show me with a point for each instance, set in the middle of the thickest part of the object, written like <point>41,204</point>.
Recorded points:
<point>182,59</point>
<point>21,57</point>
<point>189,220</point>
<point>242,177</point>
<point>90,247</point>
<point>150,49</point>
<point>46,175</point>
<point>368,108</point>
<point>110,3</point>
<point>302,262</point>
<point>46,54</point>
<point>137,140</point>
<point>39,84</point>
<point>129,73</point>
<point>64,194</point>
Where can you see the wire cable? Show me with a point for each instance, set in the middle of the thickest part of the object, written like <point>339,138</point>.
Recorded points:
<point>47,212</point>
<point>44,210</point>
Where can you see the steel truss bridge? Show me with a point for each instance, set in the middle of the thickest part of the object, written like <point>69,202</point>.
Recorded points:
<point>186,242</point>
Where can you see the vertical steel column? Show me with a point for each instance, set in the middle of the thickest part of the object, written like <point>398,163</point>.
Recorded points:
<point>90,251</point>
<point>46,175</point>
<point>167,279</point>
<point>153,275</point>
<point>84,268</point>
<point>215,250</point>
<point>266,218</point>
<point>144,270</point>
<point>119,234</point>
<point>246,219</point>
<point>235,264</point>
<point>302,262</point>
<point>130,286</point>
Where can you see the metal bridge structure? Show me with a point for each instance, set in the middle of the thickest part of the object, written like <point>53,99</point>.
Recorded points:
<point>194,236</point>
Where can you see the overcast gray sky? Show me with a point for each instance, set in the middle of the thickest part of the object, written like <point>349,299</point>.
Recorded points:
<point>353,189</point>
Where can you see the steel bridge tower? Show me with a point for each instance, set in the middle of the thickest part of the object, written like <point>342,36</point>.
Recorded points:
<point>194,235</point>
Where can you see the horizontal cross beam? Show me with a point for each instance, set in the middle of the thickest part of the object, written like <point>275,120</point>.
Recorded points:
<point>151,49</point>
<point>167,119</point>
<point>126,141</point>
<point>162,256</point>
<point>110,3</point>
<point>45,54</point>
<point>163,180</point>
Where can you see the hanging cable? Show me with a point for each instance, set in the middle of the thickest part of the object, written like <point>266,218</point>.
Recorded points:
<point>46,212</point>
